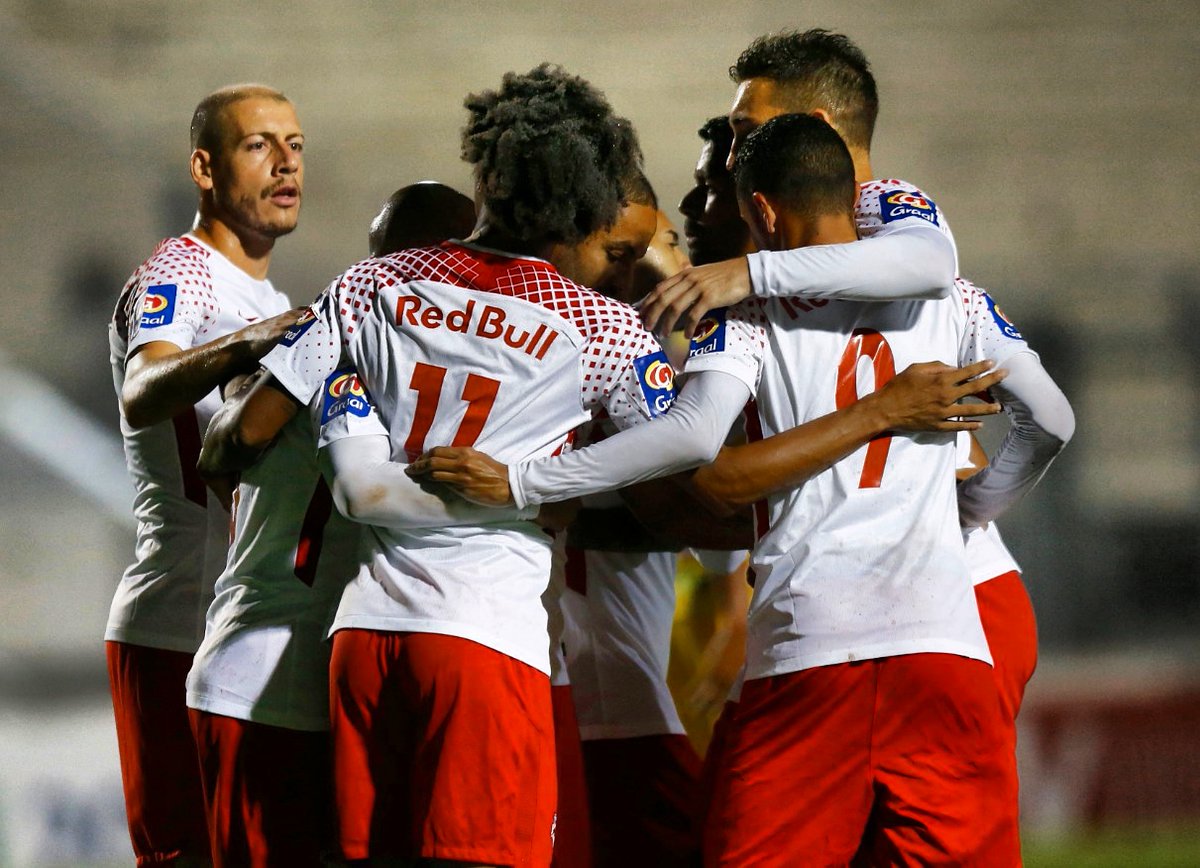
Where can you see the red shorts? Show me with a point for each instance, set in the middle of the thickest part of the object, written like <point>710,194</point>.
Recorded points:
<point>159,770</point>
<point>267,791</point>
<point>442,749</point>
<point>644,795</point>
<point>1011,629</point>
<point>914,744</point>
<point>573,830</point>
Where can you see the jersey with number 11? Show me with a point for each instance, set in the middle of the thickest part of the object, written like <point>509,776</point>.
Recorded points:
<point>462,346</point>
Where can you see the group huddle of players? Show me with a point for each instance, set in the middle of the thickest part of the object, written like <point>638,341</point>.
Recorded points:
<point>404,574</point>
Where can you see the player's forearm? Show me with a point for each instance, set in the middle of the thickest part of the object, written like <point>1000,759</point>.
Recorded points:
<point>741,475</point>
<point>245,425</point>
<point>159,388</point>
<point>371,489</point>
<point>1042,424</point>
<point>913,262</point>
<point>689,435</point>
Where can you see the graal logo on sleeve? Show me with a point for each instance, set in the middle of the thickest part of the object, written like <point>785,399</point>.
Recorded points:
<point>158,306</point>
<point>898,204</point>
<point>344,393</point>
<point>657,379</point>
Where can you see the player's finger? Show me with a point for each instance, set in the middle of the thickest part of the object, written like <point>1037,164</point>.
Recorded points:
<point>959,425</point>
<point>695,314</point>
<point>961,409</point>
<point>971,371</point>
<point>668,321</point>
<point>658,300</point>
<point>982,384</point>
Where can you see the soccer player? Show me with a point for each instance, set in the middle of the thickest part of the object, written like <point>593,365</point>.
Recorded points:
<point>197,312</point>
<point>440,696</point>
<point>418,215</point>
<point>712,225</point>
<point>258,688</point>
<point>838,611</point>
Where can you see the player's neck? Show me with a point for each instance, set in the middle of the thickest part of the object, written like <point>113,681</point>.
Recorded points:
<point>811,231</point>
<point>247,250</point>
<point>488,234</point>
<point>862,165</point>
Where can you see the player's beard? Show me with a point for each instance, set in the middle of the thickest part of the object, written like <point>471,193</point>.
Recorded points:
<point>247,212</point>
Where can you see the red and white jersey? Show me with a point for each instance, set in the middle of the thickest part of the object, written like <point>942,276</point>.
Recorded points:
<point>619,608</point>
<point>463,346</point>
<point>264,657</point>
<point>187,294</point>
<point>887,204</point>
<point>987,555</point>
<point>866,559</point>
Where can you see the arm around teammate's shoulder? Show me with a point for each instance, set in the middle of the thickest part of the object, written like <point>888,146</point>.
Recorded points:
<point>162,380</point>
<point>245,425</point>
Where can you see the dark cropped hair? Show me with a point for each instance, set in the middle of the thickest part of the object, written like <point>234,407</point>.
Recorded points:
<point>550,157</point>
<point>637,189</point>
<point>816,69</point>
<point>800,161</point>
<point>718,131</point>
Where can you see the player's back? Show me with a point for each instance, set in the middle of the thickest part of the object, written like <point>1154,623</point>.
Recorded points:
<point>864,560</point>
<point>461,346</point>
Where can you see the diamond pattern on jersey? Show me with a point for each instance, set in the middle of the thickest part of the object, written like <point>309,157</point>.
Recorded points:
<point>177,261</point>
<point>613,333</point>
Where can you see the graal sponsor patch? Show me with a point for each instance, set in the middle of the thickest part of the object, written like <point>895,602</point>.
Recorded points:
<point>302,325</point>
<point>899,204</point>
<point>1002,321</point>
<point>709,336</point>
<point>158,306</point>
<point>657,379</point>
<point>344,393</point>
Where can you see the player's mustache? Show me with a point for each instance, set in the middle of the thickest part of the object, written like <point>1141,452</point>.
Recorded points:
<point>275,188</point>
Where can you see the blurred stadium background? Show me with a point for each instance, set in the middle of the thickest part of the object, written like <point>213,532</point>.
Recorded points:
<point>1059,138</point>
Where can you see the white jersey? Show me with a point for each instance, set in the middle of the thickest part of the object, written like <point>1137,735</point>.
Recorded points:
<point>865,560</point>
<point>187,294</point>
<point>264,657</point>
<point>987,555</point>
<point>462,346</point>
<point>620,607</point>
<point>887,204</point>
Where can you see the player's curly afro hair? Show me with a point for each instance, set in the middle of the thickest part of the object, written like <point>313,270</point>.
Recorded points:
<point>549,155</point>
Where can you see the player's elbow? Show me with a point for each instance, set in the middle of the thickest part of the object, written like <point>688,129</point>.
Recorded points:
<point>136,406</point>
<point>357,498</point>
<point>934,267</point>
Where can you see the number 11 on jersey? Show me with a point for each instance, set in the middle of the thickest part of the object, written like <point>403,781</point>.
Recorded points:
<point>479,392</point>
<point>873,345</point>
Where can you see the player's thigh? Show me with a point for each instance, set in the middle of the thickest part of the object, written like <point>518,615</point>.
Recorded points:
<point>160,770</point>
<point>266,790</point>
<point>793,784</point>
<point>942,762</point>
<point>1011,629</point>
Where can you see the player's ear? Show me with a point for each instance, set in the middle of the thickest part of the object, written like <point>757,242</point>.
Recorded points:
<point>201,166</point>
<point>764,215</point>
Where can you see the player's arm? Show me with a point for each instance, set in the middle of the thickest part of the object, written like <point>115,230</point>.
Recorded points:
<point>691,434</point>
<point>1042,423</point>
<point>368,487</point>
<point>913,259</point>
<point>162,379</point>
<point>245,425</point>
<point>924,397</point>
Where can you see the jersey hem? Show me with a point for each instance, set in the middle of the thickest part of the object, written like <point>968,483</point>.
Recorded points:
<point>540,662</point>
<point>241,711</point>
<point>767,669</point>
<point>166,642</point>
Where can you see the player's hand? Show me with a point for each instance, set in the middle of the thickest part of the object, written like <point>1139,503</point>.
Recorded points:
<point>262,336</point>
<point>930,396</point>
<point>683,300</point>
<point>477,477</point>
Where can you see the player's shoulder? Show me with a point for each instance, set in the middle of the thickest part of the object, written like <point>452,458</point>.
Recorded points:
<point>180,258</point>
<point>978,303</point>
<point>887,200</point>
